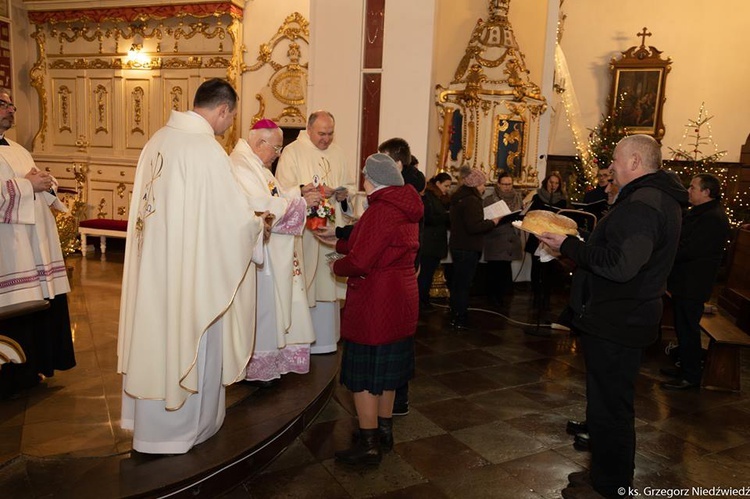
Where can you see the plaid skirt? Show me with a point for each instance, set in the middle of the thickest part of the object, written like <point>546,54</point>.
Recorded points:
<point>376,368</point>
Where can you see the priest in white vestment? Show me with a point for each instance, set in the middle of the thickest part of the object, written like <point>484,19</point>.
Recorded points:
<point>313,157</point>
<point>31,262</point>
<point>192,238</point>
<point>284,330</point>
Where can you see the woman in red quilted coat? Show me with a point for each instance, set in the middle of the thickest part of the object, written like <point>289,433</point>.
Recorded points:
<point>382,304</point>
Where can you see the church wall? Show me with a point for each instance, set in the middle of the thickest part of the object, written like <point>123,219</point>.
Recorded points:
<point>704,39</point>
<point>407,97</point>
<point>335,67</point>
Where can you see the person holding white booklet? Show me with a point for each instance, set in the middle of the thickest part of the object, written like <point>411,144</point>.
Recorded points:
<point>502,244</point>
<point>468,228</point>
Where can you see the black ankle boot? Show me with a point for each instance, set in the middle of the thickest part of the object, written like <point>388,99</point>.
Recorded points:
<point>365,451</point>
<point>385,429</point>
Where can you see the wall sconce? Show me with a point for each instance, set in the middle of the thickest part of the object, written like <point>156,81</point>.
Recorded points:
<point>136,58</point>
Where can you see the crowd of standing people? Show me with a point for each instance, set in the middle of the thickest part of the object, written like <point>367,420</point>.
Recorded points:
<point>277,255</point>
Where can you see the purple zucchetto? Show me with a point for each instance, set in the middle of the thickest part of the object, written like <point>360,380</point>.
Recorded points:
<point>264,123</point>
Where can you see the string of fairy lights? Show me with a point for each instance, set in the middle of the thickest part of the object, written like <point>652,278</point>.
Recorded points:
<point>690,159</point>
<point>687,159</point>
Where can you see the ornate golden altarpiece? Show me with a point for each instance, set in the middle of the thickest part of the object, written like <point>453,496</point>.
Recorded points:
<point>489,114</point>
<point>281,68</point>
<point>108,77</point>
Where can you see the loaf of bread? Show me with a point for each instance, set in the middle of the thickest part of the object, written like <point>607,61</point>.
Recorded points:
<point>540,221</point>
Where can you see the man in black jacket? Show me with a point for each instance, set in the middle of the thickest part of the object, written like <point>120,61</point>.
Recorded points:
<point>616,305</point>
<point>596,198</point>
<point>705,229</point>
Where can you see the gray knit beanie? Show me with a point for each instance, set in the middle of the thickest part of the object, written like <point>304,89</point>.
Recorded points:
<point>381,170</point>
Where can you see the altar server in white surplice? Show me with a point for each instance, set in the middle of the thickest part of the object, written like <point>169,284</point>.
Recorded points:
<point>284,328</point>
<point>31,263</point>
<point>186,330</point>
<point>314,157</point>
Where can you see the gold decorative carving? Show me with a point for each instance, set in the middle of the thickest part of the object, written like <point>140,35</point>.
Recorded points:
<point>80,173</point>
<point>295,27</point>
<point>176,94</point>
<point>63,99</point>
<point>288,83</point>
<point>186,38</point>
<point>38,75</point>
<point>82,144</point>
<point>261,110</point>
<point>233,75</point>
<point>291,112</point>
<point>100,213</point>
<point>182,63</point>
<point>137,105</point>
<point>102,109</point>
<point>217,62</point>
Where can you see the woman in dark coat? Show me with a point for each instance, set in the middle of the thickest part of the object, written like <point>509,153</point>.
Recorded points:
<point>435,234</point>
<point>382,304</point>
<point>502,244</point>
<point>550,197</point>
<point>468,228</point>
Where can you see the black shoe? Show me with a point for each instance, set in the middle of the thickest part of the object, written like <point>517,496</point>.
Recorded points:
<point>680,384</point>
<point>576,427</point>
<point>400,409</point>
<point>672,372</point>
<point>460,325</point>
<point>578,478</point>
<point>261,384</point>
<point>581,442</point>
<point>385,431</point>
<point>365,451</point>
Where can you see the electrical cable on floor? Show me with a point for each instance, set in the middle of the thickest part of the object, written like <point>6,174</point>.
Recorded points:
<point>551,325</point>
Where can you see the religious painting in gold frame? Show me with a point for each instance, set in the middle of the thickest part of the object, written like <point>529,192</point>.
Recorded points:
<point>637,94</point>
<point>508,144</point>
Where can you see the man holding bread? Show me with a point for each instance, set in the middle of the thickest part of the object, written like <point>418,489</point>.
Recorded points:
<point>616,304</point>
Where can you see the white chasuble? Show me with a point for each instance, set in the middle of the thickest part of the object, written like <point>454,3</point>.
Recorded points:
<point>191,240</point>
<point>31,261</point>
<point>298,164</point>
<point>283,315</point>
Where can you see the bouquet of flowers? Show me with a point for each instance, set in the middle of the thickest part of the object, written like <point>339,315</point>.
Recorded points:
<point>318,216</point>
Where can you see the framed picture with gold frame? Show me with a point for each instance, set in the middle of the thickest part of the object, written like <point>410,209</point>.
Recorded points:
<point>637,95</point>
<point>508,144</point>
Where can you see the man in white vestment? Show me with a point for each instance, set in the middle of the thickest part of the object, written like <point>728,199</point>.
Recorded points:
<point>31,263</point>
<point>284,329</point>
<point>192,238</point>
<point>313,157</point>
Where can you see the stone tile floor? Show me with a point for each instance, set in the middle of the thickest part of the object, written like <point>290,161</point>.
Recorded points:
<point>487,419</point>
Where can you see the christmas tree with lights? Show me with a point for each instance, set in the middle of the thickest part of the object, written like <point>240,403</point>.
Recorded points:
<point>690,160</point>
<point>599,149</point>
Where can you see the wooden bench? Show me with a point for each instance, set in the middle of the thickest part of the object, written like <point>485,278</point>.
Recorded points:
<point>104,228</point>
<point>722,368</point>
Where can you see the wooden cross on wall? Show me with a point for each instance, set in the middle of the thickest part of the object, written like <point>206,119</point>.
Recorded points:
<point>643,34</point>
